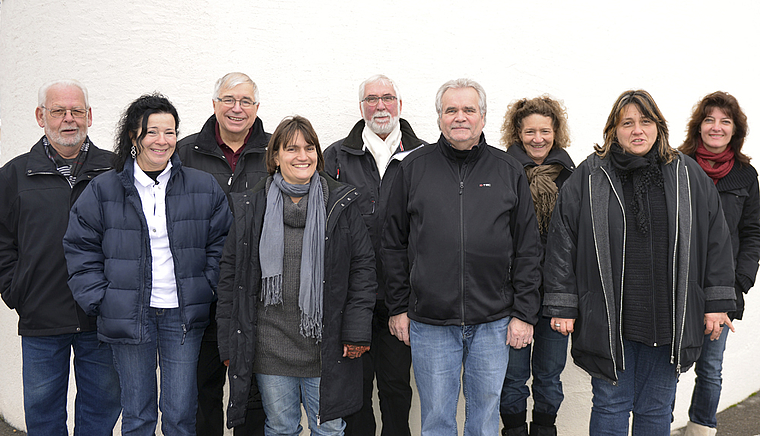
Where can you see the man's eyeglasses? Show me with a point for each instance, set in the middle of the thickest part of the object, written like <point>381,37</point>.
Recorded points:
<point>245,103</point>
<point>60,112</point>
<point>372,100</point>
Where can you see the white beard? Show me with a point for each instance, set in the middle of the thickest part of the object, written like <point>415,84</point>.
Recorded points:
<point>382,129</point>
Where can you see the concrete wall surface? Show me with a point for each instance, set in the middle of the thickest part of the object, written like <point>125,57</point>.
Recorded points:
<point>308,58</point>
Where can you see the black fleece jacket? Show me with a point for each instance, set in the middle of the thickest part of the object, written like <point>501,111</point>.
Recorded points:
<point>460,244</point>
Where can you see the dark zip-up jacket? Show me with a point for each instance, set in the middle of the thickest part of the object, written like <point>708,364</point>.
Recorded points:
<point>740,200</point>
<point>585,258</point>
<point>461,246</point>
<point>34,211</point>
<point>200,151</point>
<point>349,296</point>
<point>108,254</point>
<point>347,161</point>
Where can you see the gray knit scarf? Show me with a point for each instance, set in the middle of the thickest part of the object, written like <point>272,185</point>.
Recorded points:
<point>271,251</point>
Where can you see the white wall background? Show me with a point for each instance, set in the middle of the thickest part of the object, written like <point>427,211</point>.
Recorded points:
<point>309,58</point>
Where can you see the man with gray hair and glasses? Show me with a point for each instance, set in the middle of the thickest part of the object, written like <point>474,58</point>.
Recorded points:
<point>370,153</point>
<point>230,146</point>
<point>37,190</point>
<point>461,251</point>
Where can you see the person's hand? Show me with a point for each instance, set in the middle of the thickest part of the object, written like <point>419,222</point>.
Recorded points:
<point>519,333</point>
<point>354,351</point>
<point>563,325</point>
<point>714,323</point>
<point>399,327</point>
<point>226,362</point>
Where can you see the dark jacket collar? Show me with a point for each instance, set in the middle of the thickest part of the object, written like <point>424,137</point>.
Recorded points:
<point>475,152</point>
<point>740,176</point>
<point>556,156</point>
<point>39,162</point>
<point>207,137</point>
<point>354,143</point>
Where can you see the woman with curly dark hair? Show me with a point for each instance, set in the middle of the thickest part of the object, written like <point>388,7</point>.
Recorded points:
<point>535,133</point>
<point>143,248</point>
<point>714,137</point>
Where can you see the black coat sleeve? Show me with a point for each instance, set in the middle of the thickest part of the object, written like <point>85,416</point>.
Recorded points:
<point>362,283</point>
<point>749,240</point>
<point>560,282</point>
<point>526,265</point>
<point>225,292</point>
<point>394,244</point>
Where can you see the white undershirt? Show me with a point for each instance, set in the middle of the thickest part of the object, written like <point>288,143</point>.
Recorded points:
<point>153,197</point>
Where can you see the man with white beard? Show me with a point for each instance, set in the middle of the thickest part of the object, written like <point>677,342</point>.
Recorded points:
<point>370,153</point>
<point>37,190</point>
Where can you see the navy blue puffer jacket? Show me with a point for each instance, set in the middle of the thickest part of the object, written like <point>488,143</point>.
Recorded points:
<point>108,249</point>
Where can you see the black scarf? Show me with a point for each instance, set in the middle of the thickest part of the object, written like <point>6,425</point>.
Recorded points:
<point>644,171</point>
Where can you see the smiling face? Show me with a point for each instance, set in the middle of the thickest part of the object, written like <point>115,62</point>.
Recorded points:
<point>381,118</point>
<point>461,121</point>
<point>157,147</point>
<point>635,133</point>
<point>537,136</point>
<point>66,134</point>
<point>236,120</point>
<point>716,129</point>
<point>297,160</point>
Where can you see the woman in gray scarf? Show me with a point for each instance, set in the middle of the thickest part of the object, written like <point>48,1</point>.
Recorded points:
<point>296,291</point>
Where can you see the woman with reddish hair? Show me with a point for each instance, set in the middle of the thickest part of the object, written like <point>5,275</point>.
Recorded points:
<point>714,137</point>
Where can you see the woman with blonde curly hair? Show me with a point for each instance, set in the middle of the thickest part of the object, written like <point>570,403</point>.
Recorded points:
<point>535,133</point>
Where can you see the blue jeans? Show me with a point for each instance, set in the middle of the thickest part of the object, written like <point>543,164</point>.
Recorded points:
<point>549,356</point>
<point>704,400</point>
<point>647,387</point>
<point>178,360</point>
<point>438,354</point>
<point>46,380</point>
<point>282,397</point>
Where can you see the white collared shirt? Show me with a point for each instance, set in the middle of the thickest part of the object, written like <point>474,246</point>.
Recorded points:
<point>153,198</point>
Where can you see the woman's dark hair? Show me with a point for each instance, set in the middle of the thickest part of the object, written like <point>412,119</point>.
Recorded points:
<point>728,104</point>
<point>286,132</point>
<point>523,108</point>
<point>134,120</point>
<point>648,108</point>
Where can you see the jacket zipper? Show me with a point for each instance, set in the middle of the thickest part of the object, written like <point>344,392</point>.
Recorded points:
<point>329,214</point>
<point>169,230</point>
<point>688,262</point>
<point>461,238</point>
<point>232,175</point>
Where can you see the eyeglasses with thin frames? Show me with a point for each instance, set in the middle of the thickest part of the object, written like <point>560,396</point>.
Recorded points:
<point>373,100</point>
<point>245,102</point>
<point>59,112</point>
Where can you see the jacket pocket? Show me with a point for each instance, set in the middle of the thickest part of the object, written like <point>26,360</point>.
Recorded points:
<point>694,326</point>
<point>733,205</point>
